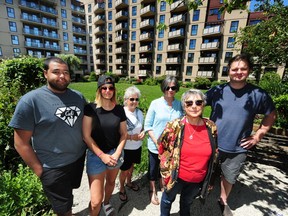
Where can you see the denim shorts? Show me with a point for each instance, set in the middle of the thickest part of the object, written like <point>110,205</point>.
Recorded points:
<point>231,165</point>
<point>94,164</point>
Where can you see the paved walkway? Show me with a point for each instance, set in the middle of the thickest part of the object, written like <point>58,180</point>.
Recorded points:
<point>262,190</point>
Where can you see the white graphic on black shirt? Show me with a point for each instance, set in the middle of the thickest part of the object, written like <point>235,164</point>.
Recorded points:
<point>68,114</point>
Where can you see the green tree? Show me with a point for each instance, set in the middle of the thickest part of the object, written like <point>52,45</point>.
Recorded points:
<point>72,61</point>
<point>267,41</point>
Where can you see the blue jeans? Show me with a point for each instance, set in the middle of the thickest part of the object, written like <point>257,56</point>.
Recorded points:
<point>188,191</point>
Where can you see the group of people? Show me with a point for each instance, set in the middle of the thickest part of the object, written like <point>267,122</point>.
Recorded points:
<point>55,129</point>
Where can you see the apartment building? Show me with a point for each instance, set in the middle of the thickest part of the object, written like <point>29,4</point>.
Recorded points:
<point>43,28</point>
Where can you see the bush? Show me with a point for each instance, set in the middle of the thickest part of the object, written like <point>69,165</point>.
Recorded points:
<point>282,111</point>
<point>187,85</point>
<point>272,83</point>
<point>22,194</point>
<point>202,83</point>
<point>215,83</point>
<point>92,76</point>
<point>150,81</point>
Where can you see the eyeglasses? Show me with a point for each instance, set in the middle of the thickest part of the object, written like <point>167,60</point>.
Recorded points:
<point>173,88</point>
<point>197,102</point>
<point>134,99</point>
<point>111,88</point>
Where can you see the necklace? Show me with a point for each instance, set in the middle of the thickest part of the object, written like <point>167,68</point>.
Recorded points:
<point>192,134</point>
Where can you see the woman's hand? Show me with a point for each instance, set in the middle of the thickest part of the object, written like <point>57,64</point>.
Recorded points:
<point>109,160</point>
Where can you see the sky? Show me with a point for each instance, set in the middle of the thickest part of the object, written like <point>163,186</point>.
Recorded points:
<point>254,1</point>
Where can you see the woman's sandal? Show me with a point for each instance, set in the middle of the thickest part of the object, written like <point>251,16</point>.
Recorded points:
<point>123,196</point>
<point>133,186</point>
<point>153,197</point>
<point>108,209</point>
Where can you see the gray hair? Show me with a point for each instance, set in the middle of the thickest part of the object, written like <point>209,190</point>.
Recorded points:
<point>168,80</point>
<point>190,92</point>
<point>131,91</point>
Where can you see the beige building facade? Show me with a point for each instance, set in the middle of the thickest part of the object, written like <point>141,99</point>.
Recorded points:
<point>43,28</point>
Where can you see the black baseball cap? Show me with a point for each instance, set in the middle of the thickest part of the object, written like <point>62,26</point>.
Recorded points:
<point>104,79</point>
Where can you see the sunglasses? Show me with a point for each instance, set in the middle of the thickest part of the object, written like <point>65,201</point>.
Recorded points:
<point>132,99</point>
<point>197,102</point>
<point>111,88</point>
<point>173,88</point>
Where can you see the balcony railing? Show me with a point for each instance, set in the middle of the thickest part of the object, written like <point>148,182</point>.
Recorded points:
<point>205,73</point>
<point>211,45</point>
<point>171,72</point>
<point>177,33</point>
<point>177,19</point>
<point>212,30</point>
<point>173,47</point>
<point>173,60</point>
<point>207,60</point>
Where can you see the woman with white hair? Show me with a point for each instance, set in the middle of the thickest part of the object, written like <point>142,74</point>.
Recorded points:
<point>132,149</point>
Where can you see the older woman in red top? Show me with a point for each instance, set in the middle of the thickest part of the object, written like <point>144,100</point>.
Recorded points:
<point>187,153</point>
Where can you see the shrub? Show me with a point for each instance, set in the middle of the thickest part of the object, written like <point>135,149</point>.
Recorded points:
<point>187,85</point>
<point>215,83</point>
<point>282,111</point>
<point>150,81</point>
<point>92,76</point>
<point>22,194</point>
<point>272,83</point>
<point>202,83</point>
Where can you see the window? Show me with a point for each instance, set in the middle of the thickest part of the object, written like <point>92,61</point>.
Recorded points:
<point>132,69</point>
<point>90,29</point>
<point>134,23</point>
<point>192,44</point>
<point>159,58</point>
<point>65,36</point>
<point>16,52</point>
<point>196,15</point>
<point>90,40</point>
<point>64,25</point>
<point>234,26</point>
<point>190,57</point>
<point>1,54</point>
<point>10,12</point>
<point>109,26</point>
<point>158,69</point>
<point>162,19</point>
<point>230,43</point>
<point>161,33</point>
<point>110,48</point>
<point>109,3</point>
<point>160,45</point>
<point>89,8</point>
<point>133,47</point>
<point>225,71</point>
<point>228,56</point>
<point>194,30</point>
<point>89,19</point>
<point>188,70</point>
<point>134,1</point>
<point>66,46</point>
<point>110,38</point>
<point>12,26</point>
<point>110,59</point>
<point>9,1</point>
<point>110,15</point>
<point>213,11</point>
<point>14,39</point>
<point>254,22</point>
<point>63,3</point>
<point>133,35</point>
<point>134,10</point>
<point>132,58</point>
<point>162,6</point>
<point>63,13</point>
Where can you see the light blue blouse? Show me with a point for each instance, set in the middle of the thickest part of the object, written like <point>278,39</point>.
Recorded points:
<point>158,114</point>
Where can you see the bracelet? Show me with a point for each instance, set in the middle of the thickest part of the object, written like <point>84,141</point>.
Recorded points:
<point>100,154</point>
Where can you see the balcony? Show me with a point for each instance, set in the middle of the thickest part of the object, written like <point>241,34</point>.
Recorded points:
<point>121,61</point>
<point>174,60</point>
<point>216,30</point>
<point>148,23</point>
<point>148,36</point>
<point>175,47</point>
<point>79,20</point>
<point>207,60</point>
<point>39,33</point>
<point>119,4</point>
<point>77,9</point>
<point>99,30</point>
<point>79,41</point>
<point>99,51</point>
<point>99,61</point>
<point>99,41</point>
<point>145,60</point>
<point>52,47</point>
<point>99,71</point>
<point>99,19</point>
<point>180,19</point>
<point>121,26</point>
<point>177,33</point>
<point>99,8</point>
<point>143,72</point>
<point>145,48</point>
<point>80,51</point>
<point>122,38</point>
<point>120,50</point>
<point>34,44</point>
<point>208,74</point>
<point>121,71</point>
<point>121,15</point>
<point>178,6</point>
<point>171,72</point>
<point>78,31</point>
<point>210,46</point>
<point>147,11</point>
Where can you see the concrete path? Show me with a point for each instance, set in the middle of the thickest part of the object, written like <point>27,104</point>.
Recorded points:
<point>261,190</point>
